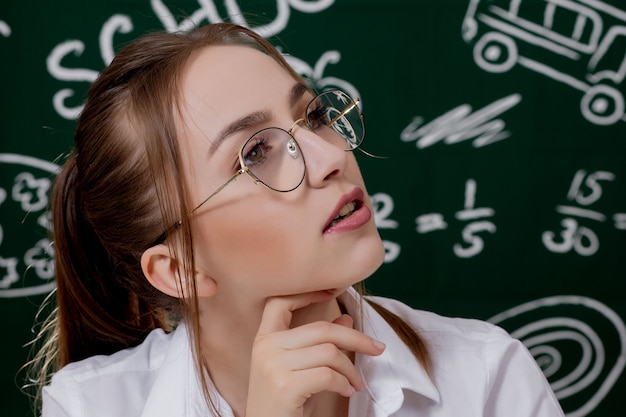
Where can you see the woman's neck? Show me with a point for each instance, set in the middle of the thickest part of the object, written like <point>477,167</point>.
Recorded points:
<point>327,404</point>
<point>227,347</point>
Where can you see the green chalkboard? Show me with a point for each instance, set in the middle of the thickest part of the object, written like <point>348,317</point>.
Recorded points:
<point>503,192</point>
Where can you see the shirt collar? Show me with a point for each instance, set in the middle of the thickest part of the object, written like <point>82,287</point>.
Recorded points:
<point>388,375</point>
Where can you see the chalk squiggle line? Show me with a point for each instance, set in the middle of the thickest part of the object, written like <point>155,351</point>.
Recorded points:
<point>460,124</point>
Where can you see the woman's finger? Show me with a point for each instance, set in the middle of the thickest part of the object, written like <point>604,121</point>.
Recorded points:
<point>279,310</point>
<point>344,320</point>
<point>318,356</point>
<point>293,390</point>
<point>321,332</point>
<point>316,380</point>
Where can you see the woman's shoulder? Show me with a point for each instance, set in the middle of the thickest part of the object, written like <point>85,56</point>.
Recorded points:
<point>143,357</point>
<point>447,334</point>
<point>474,360</point>
<point>112,384</point>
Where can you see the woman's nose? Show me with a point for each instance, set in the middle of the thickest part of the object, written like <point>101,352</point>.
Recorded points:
<point>325,158</point>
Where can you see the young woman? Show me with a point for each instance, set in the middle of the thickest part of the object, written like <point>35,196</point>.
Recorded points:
<point>210,225</point>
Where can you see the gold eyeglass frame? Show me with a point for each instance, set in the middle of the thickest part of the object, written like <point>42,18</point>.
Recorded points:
<point>245,170</point>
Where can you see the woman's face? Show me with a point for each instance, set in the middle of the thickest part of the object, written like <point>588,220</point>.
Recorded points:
<point>251,239</point>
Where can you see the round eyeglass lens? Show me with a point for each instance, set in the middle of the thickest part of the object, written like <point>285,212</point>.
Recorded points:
<point>274,158</point>
<point>340,112</point>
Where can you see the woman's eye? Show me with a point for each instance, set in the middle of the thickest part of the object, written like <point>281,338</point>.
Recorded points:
<point>255,152</point>
<point>318,117</point>
<point>254,155</point>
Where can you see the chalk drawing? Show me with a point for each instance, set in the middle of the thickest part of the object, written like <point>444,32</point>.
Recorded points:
<point>584,190</point>
<point>26,267</point>
<point>116,23</point>
<point>383,207</point>
<point>31,192</point>
<point>546,325</point>
<point>315,75</point>
<point>460,124</point>
<point>430,222</point>
<point>208,12</point>
<point>10,275</point>
<point>473,244</point>
<point>122,24</point>
<point>5,29</point>
<point>620,221</point>
<point>591,33</point>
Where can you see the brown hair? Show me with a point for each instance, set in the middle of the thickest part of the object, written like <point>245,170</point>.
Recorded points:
<point>119,189</point>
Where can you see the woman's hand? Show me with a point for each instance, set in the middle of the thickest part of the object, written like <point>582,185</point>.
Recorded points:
<point>290,365</point>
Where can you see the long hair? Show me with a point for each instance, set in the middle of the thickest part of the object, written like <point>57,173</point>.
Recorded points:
<point>119,190</point>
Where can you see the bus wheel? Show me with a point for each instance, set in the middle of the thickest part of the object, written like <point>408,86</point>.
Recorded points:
<point>602,105</point>
<point>495,52</point>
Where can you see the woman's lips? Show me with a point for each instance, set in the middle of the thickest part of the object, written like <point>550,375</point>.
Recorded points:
<point>349,214</point>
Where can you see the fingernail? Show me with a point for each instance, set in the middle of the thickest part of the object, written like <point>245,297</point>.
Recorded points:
<point>378,344</point>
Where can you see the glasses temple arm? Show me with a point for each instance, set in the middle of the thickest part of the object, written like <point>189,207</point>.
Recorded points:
<point>176,225</point>
<point>221,187</point>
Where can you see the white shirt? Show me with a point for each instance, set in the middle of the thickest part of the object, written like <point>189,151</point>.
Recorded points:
<point>478,370</point>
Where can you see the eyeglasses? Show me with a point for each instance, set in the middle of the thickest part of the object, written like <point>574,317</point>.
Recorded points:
<point>272,156</point>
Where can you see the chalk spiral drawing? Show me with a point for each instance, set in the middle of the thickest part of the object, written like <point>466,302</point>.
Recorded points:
<point>122,24</point>
<point>587,372</point>
<point>591,32</point>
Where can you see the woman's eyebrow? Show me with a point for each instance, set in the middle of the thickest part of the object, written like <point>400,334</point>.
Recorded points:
<point>255,118</point>
<point>297,91</point>
<point>247,122</point>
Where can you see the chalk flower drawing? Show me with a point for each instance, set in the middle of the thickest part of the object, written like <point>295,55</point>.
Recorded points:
<point>585,40</point>
<point>22,261</point>
<point>31,192</point>
<point>10,272</point>
<point>40,257</point>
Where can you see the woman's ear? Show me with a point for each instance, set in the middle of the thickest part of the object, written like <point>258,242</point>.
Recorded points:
<point>161,269</point>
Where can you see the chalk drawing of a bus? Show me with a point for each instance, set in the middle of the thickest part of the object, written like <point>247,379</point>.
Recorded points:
<point>581,43</point>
